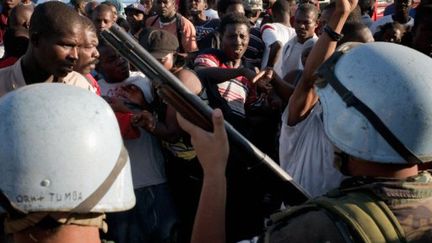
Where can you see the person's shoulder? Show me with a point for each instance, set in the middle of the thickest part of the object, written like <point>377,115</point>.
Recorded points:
<point>268,27</point>
<point>6,73</point>
<point>11,72</point>
<point>5,66</point>
<point>206,61</point>
<point>186,71</point>
<point>190,79</point>
<point>78,80</point>
<point>150,18</point>
<point>289,29</point>
<point>187,75</point>
<point>186,22</point>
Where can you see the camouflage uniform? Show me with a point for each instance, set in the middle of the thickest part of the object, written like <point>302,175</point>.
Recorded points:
<point>410,201</point>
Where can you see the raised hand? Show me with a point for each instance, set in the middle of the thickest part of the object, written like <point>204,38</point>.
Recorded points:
<point>212,148</point>
<point>263,78</point>
<point>346,6</point>
<point>145,120</point>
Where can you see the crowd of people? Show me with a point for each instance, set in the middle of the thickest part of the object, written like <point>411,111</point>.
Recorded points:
<point>260,65</point>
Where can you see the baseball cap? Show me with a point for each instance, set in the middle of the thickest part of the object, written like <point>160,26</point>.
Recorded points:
<point>253,4</point>
<point>160,43</point>
<point>136,6</point>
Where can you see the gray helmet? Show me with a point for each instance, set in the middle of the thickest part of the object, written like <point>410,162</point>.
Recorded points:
<point>377,102</point>
<point>61,150</point>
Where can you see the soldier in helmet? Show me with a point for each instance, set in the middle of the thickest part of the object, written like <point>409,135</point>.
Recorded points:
<point>380,125</point>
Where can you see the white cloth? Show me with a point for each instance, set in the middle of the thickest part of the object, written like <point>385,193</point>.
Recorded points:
<point>388,19</point>
<point>140,80</point>
<point>307,154</point>
<point>147,162</point>
<point>275,32</point>
<point>290,58</point>
<point>2,51</point>
<point>211,13</point>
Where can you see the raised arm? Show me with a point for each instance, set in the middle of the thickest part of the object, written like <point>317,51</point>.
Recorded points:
<point>304,97</point>
<point>274,53</point>
<point>212,150</point>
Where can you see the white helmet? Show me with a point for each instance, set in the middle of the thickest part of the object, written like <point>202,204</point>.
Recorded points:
<point>377,102</point>
<point>61,150</point>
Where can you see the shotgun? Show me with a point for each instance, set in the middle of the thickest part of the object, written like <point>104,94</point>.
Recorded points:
<point>190,106</point>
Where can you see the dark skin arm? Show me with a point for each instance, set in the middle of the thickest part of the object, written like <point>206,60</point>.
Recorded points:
<point>304,97</point>
<point>168,129</point>
<point>283,89</point>
<point>274,53</point>
<point>212,149</point>
<point>268,78</point>
<point>220,75</point>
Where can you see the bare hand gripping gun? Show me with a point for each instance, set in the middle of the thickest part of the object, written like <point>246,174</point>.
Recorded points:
<point>190,106</point>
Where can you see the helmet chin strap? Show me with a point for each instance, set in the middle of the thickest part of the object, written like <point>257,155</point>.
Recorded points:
<point>327,72</point>
<point>91,201</point>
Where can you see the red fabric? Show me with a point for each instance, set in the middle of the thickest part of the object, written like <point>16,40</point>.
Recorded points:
<point>266,26</point>
<point>3,25</point>
<point>8,61</point>
<point>292,19</point>
<point>94,83</point>
<point>126,129</point>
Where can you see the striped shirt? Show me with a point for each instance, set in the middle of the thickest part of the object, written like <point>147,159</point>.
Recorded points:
<point>237,92</point>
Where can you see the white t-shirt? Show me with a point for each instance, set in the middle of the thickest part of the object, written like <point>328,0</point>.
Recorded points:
<point>2,51</point>
<point>147,162</point>
<point>307,154</point>
<point>290,58</point>
<point>275,32</point>
<point>388,19</point>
